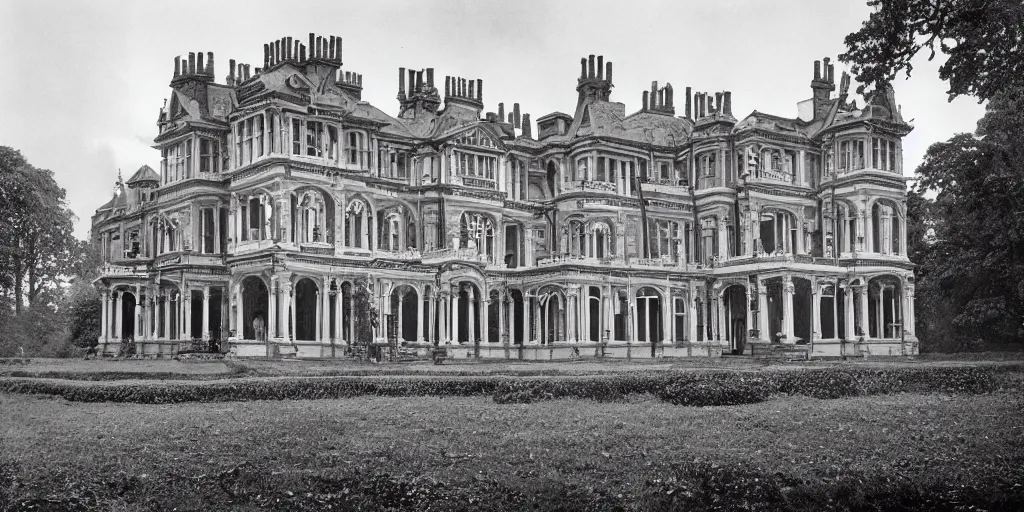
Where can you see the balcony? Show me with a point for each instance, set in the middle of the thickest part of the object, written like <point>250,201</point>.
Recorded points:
<point>438,256</point>
<point>407,255</point>
<point>777,175</point>
<point>109,270</point>
<point>667,186</point>
<point>588,186</point>
<point>474,182</point>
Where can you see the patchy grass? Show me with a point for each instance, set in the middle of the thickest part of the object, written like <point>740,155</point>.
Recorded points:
<point>468,453</point>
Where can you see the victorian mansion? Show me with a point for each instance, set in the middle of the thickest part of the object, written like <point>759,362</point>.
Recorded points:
<point>285,209</point>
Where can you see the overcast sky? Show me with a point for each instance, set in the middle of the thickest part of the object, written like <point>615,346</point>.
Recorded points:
<point>83,81</point>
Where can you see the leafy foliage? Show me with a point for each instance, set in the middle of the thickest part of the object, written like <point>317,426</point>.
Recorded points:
<point>689,388</point>
<point>971,275</point>
<point>983,39</point>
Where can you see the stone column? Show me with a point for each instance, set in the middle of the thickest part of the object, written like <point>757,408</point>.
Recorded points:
<point>272,309</point>
<point>288,333</point>
<point>848,316</point>
<point>105,323</point>
<point>691,313</point>
<point>667,316</point>
<point>474,303</point>
<point>240,311</point>
<point>633,321</point>
<point>318,335</point>
<point>790,290</point>
<point>419,315</point>
<point>137,334</point>
<point>527,315</point>
<point>206,313</point>
<point>454,314</point>
<point>719,310</point>
<point>167,305</point>
<point>186,314</point>
<point>762,310</point>
<point>908,311</point>
<point>864,311</point>
<point>815,310</point>
<point>570,313</point>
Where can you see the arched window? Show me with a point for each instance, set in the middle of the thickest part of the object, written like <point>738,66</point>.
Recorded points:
<point>391,232</point>
<point>577,238</point>
<point>357,224</point>
<point>311,218</point>
<point>601,237</point>
<point>477,232</point>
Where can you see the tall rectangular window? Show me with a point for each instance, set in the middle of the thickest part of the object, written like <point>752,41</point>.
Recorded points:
<point>209,155</point>
<point>600,168</point>
<point>296,137</point>
<point>892,156</point>
<point>188,157</point>
<point>332,143</point>
<point>257,127</point>
<point>208,230</point>
<point>314,138</point>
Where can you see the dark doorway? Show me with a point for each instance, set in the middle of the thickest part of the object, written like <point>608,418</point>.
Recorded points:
<point>736,317</point>
<point>127,316</point>
<point>305,309</point>
<point>255,301</point>
<point>196,309</point>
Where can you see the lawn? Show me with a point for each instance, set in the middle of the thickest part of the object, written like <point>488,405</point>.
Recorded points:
<point>373,453</point>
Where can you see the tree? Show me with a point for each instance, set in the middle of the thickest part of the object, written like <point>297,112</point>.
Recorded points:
<point>82,301</point>
<point>976,260</point>
<point>984,40</point>
<point>36,242</point>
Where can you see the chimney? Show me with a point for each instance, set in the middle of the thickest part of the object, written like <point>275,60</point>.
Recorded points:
<point>600,67</point>
<point>527,131</point>
<point>266,56</point>
<point>209,64</point>
<point>479,89</point>
<point>718,102</point>
<point>831,75</point>
<point>419,81</point>
<point>412,81</point>
<point>471,89</point>
<point>231,70</point>
<point>430,78</point>
<point>447,86</point>
<point>199,64</point>
<point>688,99</point>
<point>654,94</point>
<point>312,46</point>
<point>661,98</point>
<point>302,52</point>
<point>247,75</point>
<point>191,63</point>
<point>501,111</point>
<point>339,58</point>
<point>348,77</point>
<point>515,115</point>
<point>590,67</point>
<point>401,81</point>
<point>275,50</point>
<point>644,100</point>
<point>668,95</point>
<point>583,68</point>
<point>608,74</point>
<point>817,70</point>
<point>331,49</point>
<point>511,121</point>
<point>728,103</point>
<point>177,66</point>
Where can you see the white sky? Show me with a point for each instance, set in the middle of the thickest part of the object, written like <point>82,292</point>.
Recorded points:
<point>83,82</point>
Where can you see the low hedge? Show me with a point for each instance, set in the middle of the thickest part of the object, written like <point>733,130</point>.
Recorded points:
<point>680,388</point>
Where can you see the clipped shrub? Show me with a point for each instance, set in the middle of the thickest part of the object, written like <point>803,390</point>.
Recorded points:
<point>718,388</point>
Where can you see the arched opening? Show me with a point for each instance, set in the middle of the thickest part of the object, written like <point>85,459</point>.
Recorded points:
<point>403,320</point>
<point>493,317</point>
<point>648,316</point>
<point>776,310</point>
<point>397,229</point>
<point>802,309</point>
<point>358,232</point>
<point>195,327</point>
<point>477,232</point>
<point>313,217</point>
<point>596,319</point>
<point>735,308</point>
<point>513,245</point>
<point>552,322</point>
<point>469,313</point>
<point>518,310</point>
<point>621,317</point>
<point>305,307</point>
<point>347,325</point>
<point>255,305</point>
<point>778,232</point>
<point>127,315</point>
<point>885,311</point>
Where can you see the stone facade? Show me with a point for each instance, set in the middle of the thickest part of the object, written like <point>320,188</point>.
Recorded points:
<point>622,235</point>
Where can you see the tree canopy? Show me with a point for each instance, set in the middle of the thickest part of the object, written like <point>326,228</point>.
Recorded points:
<point>984,40</point>
<point>972,264</point>
<point>37,248</point>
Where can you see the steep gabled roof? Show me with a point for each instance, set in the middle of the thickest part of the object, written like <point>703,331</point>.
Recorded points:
<point>143,175</point>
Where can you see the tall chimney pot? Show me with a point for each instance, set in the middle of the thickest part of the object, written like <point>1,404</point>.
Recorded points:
<point>600,67</point>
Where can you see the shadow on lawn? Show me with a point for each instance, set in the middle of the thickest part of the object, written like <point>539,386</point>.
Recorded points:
<point>692,485</point>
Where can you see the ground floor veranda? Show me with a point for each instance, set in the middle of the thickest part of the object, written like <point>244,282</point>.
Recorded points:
<point>319,312</point>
